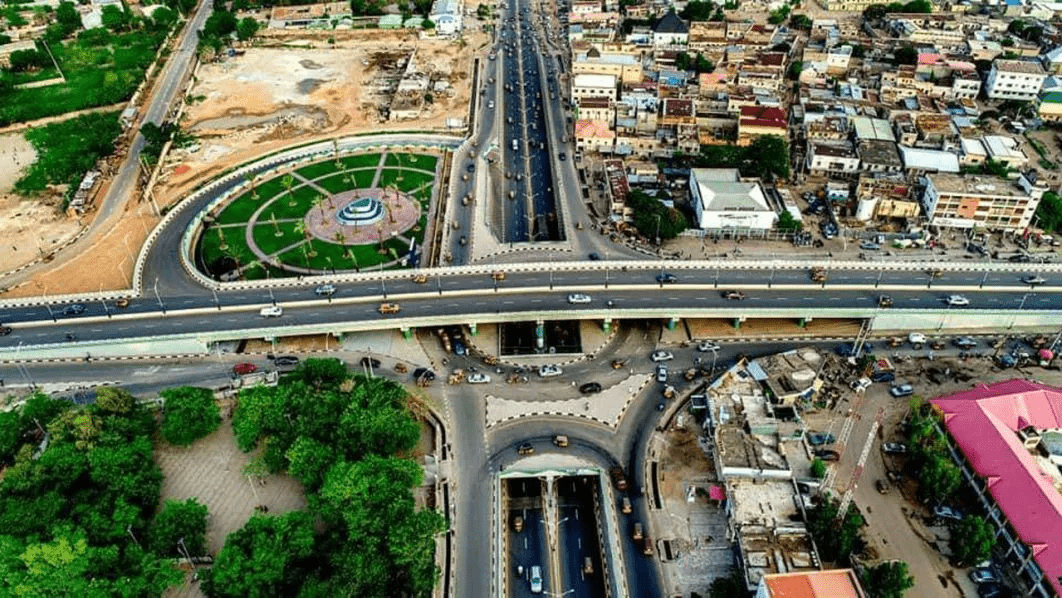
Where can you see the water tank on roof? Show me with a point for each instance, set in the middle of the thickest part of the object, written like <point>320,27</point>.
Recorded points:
<point>865,208</point>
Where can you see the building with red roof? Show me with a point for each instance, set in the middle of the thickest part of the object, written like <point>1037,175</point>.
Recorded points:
<point>834,583</point>
<point>761,120</point>
<point>1007,437</point>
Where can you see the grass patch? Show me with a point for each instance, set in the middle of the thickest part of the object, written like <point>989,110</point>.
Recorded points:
<point>319,169</point>
<point>361,161</point>
<point>421,161</point>
<point>302,197</point>
<point>411,179</point>
<point>210,246</point>
<point>360,179</point>
<point>272,188</point>
<point>99,71</point>
<point>239,210</point>
<point>67,150</point>
<point>266,239</point>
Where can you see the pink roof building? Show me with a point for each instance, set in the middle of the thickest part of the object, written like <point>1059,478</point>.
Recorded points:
<point>992,426</point>
<point>834,583</point>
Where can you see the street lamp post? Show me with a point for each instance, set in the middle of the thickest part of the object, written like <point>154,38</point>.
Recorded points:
<point>216,300</point>
<point>159,297</point>
<point>104,303</point>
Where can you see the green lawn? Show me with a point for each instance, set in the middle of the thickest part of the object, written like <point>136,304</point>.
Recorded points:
<point>319,169</point>
<point>360,179</point>
<point>302,197</point>
<point>421,161</point>
<point>411,179</point>
<point>361,160</point>
<point>267,240</point>
<point>239,209</point>
<point>209,246</point>
<point>272,187</point>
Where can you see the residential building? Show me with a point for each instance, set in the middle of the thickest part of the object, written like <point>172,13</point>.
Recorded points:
<point>986,201</point>
<point>879,156</point>
<point>597,109</point>
<point>1015,80</point>
<point>670,30</point>
<point>593,86</point>
<point>1005,150</point>
<point>594,136</point>
<point>625,67</point>
<point>446,14</point>
<point>1006,439</point>
<point>919,161</point>
<point>722,201</point>
<point>1050,106</point>
<point>833,583</point>
<point>761,120</point>
<point>836,158</point>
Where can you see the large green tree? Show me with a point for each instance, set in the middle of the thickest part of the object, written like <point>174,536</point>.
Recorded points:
<point>189,413</point>
<point>836,540</point>
<point>887,580</point>
<point>1049,212</point>
<point>939,477</point>
<point>268,556</point>
<point>972,540</point>
<point>179,520</point>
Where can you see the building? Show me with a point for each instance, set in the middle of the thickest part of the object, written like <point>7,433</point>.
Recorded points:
<point>1050,106</point>
<point>761,120</point>
<point>989,201</point>
<point>310,16</point>
<point>834,583</point>
<point>594,136</point>
<point>624,66</point>
<point>1005,438</point>
<point>670,30</point>
<point>593,86</point>
<point>790,376</point>
<point>832,158</point>
<point>446,14</point>
<point>1015,80</point>
<point>922,161</point>
<point>721,201</point>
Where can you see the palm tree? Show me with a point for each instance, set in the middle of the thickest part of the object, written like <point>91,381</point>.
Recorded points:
<point>342,240</point>
<point>301,228</point>
<point>318,202</point>
<point>276,227</point>
<point>289,181</point>
<point>250,179</point>
<point>379,231</point>
<point>387,206</point>
<point>222,245</point>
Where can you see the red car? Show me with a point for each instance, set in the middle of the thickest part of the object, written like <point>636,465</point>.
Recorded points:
<point>244,368</point>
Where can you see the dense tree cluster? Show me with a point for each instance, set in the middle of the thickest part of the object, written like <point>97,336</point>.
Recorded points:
<point>889,579</point>
<point>652,218</point>
<point>766,157</point>
<point>938,476</point>
<point>836,540</point>
<point>77,499</point>
<point>188,414</point>
<point>347,440</point>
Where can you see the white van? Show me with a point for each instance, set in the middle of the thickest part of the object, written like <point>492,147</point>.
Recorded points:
<point>536,579</point>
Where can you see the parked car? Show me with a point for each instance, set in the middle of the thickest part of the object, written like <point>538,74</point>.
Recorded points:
<point>903,390</point>
<point>661,373</point>
<point>74,310</point>
<point>821,438</point>
<point>666,277</point>
<point>242,369</point>
<point>733,295</point>
<point>518,524</point>
<point>845,350</point>
<point>861,384</point>
<point>549,371</point>
<point>964,342</point>
<point>894,448</point>
<point>272,311</point>
<point>618,478</point>
<point>869,246</point>
<point>325,290</point>
<point>122,302</point>
<point>916,338</point>
<point>577,298</point>
<point>707,347</point>
<point>946,512</point>
<point>286,361</point>
<point>525,449</point>
<point>5,330</point>
<point>828,455</point>
<point>423,374</point>
<point>983,575</point>
<point>590,388</point>
<point>370,362</point>
<point>661,356</point>
<point>478,378</point>
<point>957,300</point>
<point>990,590</point>
<point>882,377</point>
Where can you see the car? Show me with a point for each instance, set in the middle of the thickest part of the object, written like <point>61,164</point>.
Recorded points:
<point>821,438</point>
<point>490,104</point>
<point>536,580</point>
<point>666,277</point>
<point>370,362</point>
<point>902,390</point>
<point>423,374</point>
<point>389,308</point>
<point>549,371</point>
<point>5,330</point>
<point>658,356</point>
<point>590,388</point>
<point>882,377</point>
<point>869,246</point>
<point>982,575</point>
<point>935,273</point>
<point>707,347</point>
<point>990,590</point>
<point>916,338</point>
<point>271,311</point>
<point>122,302</point>
<point>74,310</point>
<point>957,300</point>
<point>594,257</point>
<point>845,350</point>
<point>733,295</point>
<point>578,298</point>
<point>964,342</point>
<point>661,373</point>
<point>562,156</point>
<point>497,275</point>
<point>463,240</point>
<point>894,448</point>
<point>660,406</point>
<point>884,301</point>
<point>286,361</point>
<point>882,486</point>
<point>828,455</point>
<point>419,278</point>
<point>1034,279</point>
<point>860,385</point>
<point>946,512</point>
<point>525,449</point>
<point>241,369</point>
<point>478,378</point>
<point>619,479</point>
<point>471,167</point>
<point>518,524</point>
<point>325,290</point>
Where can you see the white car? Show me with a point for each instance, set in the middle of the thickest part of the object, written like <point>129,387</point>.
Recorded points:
<point>549,371</point>
<point>957,300</point>
<point>658,356</point>
<point>1034,280</point>
<point>272,311</point>
<point>707,347</point>
<point>916,338</point>
<point>325,290</point>
<point>478,378</point>
<point>578,298</point>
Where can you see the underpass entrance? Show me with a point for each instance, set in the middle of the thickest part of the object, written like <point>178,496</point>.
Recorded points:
<point>530,338</point>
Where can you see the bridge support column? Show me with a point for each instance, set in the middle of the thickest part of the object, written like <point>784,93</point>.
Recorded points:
<point>672,323</point>
<point>407,332</point>
<point>803,322</point>
<point>540,334</point>
<point>606,325</point>
<point>737,322</point>
<point>472,329</point>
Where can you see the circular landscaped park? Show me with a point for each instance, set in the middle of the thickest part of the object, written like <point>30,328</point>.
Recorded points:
<point>342,214</point>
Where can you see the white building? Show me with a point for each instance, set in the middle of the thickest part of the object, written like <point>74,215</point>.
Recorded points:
<point>722,201</point>
<point>446,14</point>
<point>984,201</point>
<point>834,158</point>
<point>670,30</point>
<point>1015,80</point>
<point>593,86</point>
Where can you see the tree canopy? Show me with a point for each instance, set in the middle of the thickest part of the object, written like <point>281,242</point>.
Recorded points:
<point>189,414</point>
<point>972,540</point>
<point>651,217</point>
<point>887,580</point>
<point>1049,212</point>
<point>179,521</point>
<point>836,543</point>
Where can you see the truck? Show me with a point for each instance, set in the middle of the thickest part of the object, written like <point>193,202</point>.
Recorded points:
<point>516,146</point>
<point>457,377</point>
<point>619,479</point>
<point>818,274</point>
